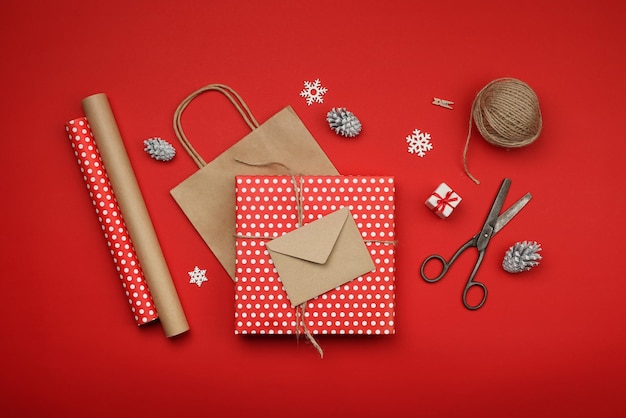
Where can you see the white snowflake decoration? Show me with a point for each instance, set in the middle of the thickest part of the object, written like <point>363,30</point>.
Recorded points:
<point>419,142</point>
<point>198,276</point>
<point>313,92</point>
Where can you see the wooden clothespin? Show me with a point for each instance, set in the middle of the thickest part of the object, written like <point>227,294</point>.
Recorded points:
<point>443,103</point>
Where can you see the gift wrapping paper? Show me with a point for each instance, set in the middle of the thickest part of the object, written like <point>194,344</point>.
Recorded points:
<point>111,221</point>
<point>107,136</point>
<point>266,209</point>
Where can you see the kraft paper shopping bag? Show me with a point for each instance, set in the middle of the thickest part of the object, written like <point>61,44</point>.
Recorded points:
<point>207,197</point>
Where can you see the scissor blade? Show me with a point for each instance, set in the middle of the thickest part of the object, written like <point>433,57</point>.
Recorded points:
<point>498,202</point>
<point>488,229</point>
<point>511,212</point>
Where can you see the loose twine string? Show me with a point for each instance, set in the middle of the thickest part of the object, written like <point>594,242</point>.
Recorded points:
<point>297,182</point>
<point>507,114</point>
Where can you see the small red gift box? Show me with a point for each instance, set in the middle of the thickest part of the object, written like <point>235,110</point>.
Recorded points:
<point>268,207</point>
<point>443,201</point>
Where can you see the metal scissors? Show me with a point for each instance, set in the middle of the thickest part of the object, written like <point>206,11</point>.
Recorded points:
<point>492,225</point>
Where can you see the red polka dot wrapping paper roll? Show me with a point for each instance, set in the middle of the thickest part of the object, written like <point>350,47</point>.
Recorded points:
<point>121,174</point>
<point>266,209</point>
<point>111,221</point>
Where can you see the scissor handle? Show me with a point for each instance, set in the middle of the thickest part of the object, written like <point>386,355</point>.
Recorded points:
<point>444,268</point>
<point>468,286</point>
<point>471,283</point>
<point>445,265</point>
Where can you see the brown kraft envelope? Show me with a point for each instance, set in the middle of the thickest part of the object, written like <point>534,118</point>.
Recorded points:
<point>207,197</point>
<point>320,256</point>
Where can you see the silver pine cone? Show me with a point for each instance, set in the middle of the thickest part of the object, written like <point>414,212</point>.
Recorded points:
<point>343,122</point>
<point>522,257</point>
<point>159,149</point>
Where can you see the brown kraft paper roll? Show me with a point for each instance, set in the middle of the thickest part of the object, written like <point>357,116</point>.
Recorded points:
<point>107,137</point>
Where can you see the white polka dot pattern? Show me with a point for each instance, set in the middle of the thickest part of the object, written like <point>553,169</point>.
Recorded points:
<point>266,207</point>
<point>110,217</point>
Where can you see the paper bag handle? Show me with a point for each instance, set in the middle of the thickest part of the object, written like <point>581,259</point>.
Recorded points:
<point>234,98</point>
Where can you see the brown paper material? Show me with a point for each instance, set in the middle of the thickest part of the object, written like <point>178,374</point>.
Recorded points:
<point>140,228</point>
<point>207,197</point>
<point>320,256</point>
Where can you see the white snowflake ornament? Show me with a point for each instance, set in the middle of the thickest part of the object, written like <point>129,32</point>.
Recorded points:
<point>313,92</point>
<point>419,142</point>
<point>198,276</point>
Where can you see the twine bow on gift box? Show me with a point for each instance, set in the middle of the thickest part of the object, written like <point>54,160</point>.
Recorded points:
<point>443,201</point>
<point>300,309</point>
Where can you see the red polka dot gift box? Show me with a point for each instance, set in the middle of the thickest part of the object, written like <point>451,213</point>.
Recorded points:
<point>272,207</point>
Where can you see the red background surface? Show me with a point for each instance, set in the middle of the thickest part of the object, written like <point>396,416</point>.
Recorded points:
<point>549,342</point>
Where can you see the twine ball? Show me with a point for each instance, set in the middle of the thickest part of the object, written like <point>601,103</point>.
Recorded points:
<point>507,114</point>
